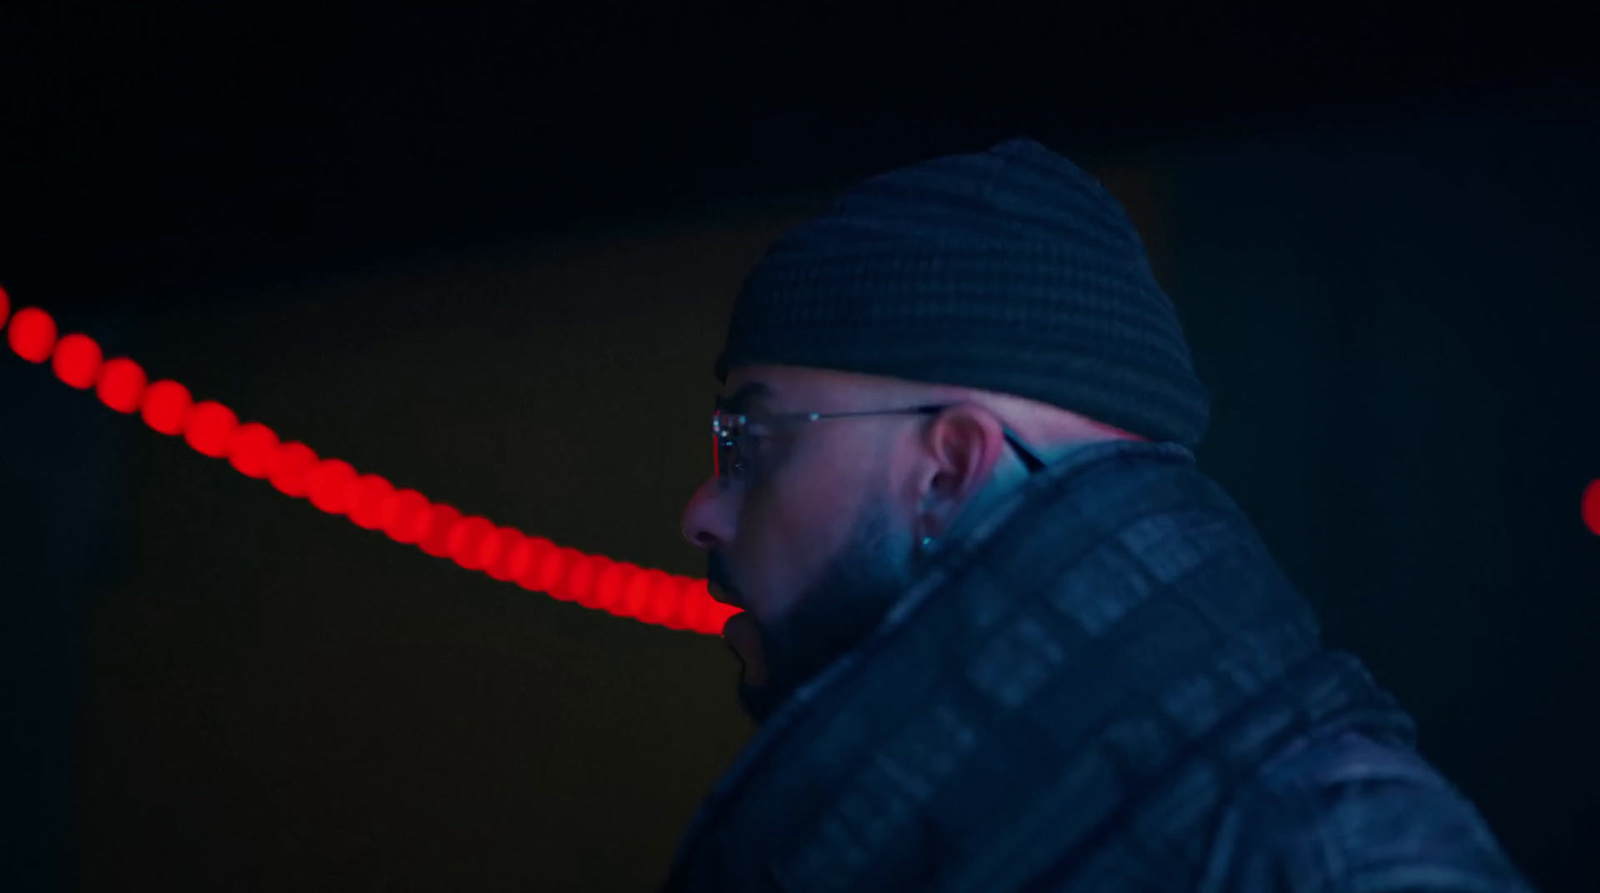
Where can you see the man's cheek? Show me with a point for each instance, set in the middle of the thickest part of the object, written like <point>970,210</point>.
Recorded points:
<point>771,561</point>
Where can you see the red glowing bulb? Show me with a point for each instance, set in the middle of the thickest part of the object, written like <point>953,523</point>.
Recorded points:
<point>209,428</point>
<point>524,558</point>
<point>548,570</point>
<point>532,559</point>
<point>77,361</point>
<point>121,385</point>
<point>490,549</point>
<point>582,578</point>
<point>368,505</point>
<point>441,518</point>
<point>291,467</point>
<point>370,501</point>
<point>166,406</point>
<point>672,605</point>
<point>331,484</point>
<point>702,613</point>
<point>607,574</point>
<point>685,612</point>
<point>638,591</point>
<point>464,539</point>
<point>663,604</point>
<point>1591,506</point>
<point>637,580</point>
<point>32,334</point>
<point>516,561</point>
<point>407,514</point>
<point>252,449</point>
<point>615,590</point>
<point>668,605</point>
<point>498,550</point>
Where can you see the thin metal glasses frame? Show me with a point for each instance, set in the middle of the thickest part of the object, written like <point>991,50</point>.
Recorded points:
<point>729,435</point>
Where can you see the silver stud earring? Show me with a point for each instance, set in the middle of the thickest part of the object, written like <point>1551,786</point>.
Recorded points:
<point>927,543</point>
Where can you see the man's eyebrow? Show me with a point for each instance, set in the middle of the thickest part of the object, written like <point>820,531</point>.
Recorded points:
<point>740,400</point>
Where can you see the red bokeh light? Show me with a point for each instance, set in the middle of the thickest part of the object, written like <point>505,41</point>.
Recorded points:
<point>635,581</point>
<point>1591,506</point>
<point>687,606</point>
<point>582,576</point>
<point>32,334</point>
<point>209,428</point>
<point>614,575</point>
<point>548,570</point>
<point>166,406</point>
<point>668,606</point>
<point>694,608</point>
<point>525,557</point>
<point>441,519</point>
<point>369,504</point>
<point>77,361</point>
<point>497,551</point>
<point>658,605</point>
<point>253,450</point>
<point>121,385</point>
<point>516,561</point>
<point>407,514</point>
<point>372,502</point>
<point>702,613</point>
<point>489,550</point>
<point>465,537</point>
<point>638,591</point>
<point>291,467</point>
<point>330,484</point>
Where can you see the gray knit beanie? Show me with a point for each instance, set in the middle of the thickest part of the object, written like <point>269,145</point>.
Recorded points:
<point>1010,270</point>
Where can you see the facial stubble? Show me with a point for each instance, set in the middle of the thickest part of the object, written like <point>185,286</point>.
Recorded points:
<point>834,614</point>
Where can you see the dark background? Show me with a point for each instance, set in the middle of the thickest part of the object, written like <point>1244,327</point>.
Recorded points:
<point>488,254</point>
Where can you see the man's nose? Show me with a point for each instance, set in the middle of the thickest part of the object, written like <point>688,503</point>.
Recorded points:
<point>707,521</point>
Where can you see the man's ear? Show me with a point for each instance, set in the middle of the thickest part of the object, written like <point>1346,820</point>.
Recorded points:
<point>965,442</point>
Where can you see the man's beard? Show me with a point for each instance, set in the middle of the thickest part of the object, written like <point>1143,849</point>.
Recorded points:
<point>834,614</point>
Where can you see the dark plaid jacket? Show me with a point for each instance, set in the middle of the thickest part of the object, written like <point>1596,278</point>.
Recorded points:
<point>1104,683</point>
<point>1345,813</point>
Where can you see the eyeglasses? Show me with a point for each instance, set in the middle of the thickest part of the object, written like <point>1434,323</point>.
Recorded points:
<point>732,435</point>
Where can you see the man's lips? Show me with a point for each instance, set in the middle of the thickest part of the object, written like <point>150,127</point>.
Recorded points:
<point>742,635</point>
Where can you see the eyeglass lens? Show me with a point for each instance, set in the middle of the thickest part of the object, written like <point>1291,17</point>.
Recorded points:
<point>725,431</point>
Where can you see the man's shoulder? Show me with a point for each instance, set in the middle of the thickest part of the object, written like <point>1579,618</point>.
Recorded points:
<point>1344,812</point>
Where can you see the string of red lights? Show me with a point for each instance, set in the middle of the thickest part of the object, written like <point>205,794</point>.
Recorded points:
<point>368,500</point>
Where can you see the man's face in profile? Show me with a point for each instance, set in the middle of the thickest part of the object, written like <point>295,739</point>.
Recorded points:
<point>806,538</point>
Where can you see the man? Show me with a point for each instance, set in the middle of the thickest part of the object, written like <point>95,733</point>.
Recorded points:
<point>999,631</point>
